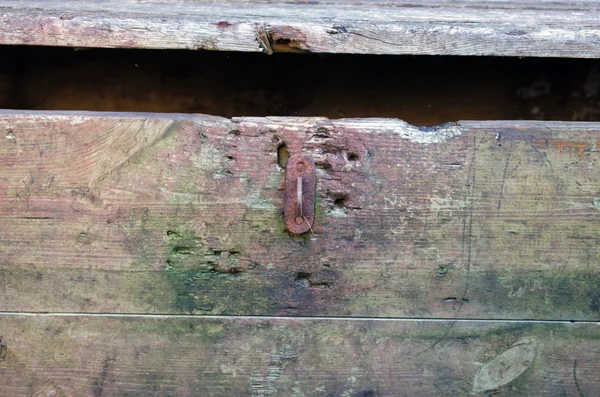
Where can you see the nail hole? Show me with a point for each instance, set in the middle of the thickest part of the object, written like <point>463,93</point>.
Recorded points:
<point>353,157</point>
<point>303,276</point>
<point>324,166</point>
<point>282,155</point>
<point>339,199</point>
<point>453,299</point>
<point>306,279</point>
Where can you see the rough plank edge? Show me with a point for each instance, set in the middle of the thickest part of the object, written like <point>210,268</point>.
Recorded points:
<point>367,123</point>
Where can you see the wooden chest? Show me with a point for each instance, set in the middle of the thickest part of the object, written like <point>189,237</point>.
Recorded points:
<point>143,249</point>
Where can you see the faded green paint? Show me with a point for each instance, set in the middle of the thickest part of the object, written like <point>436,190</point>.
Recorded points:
<point>204,280</point>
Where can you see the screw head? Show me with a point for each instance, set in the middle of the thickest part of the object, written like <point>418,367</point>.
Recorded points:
<point>301,167</point>
<point>299,220</point>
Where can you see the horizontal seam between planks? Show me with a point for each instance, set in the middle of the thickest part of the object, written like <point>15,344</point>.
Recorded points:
<point>297,318</point>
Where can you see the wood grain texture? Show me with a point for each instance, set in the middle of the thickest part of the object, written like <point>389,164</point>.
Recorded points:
<point>544,29</point>
<point>183,214</point>
<point>107,356</point>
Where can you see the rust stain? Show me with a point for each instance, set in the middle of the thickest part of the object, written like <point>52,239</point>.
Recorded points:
<point>562,144</point>
<point>299,211</point>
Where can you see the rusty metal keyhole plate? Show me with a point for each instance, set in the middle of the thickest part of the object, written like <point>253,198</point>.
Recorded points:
<point>300,182</point>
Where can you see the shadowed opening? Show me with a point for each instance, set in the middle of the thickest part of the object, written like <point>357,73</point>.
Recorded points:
<point>425,90</point>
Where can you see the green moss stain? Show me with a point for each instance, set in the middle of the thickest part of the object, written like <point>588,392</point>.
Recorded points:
<point>204,280</point>
<point>190,271</point>
<point>208,268</point>
<point>183,249</point>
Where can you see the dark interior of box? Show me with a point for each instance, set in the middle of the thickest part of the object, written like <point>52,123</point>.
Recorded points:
<point>423,90</point>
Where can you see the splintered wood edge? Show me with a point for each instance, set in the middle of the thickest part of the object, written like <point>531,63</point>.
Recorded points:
<point>436,28</point>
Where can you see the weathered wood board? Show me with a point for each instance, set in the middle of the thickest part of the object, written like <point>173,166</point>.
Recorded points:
<point>509,28</point>
<point>183,214</point>
<point>108,356</point>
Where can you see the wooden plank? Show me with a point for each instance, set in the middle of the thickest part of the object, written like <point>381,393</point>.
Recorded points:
<point>545,29</point>
<point>183,214</point>
<point>581,5</point>
<point>108,356</point>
